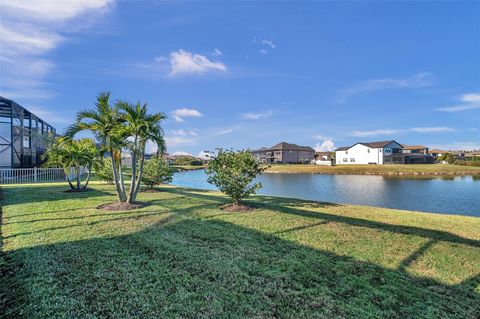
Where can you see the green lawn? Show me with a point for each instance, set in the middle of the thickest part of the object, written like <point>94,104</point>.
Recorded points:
<point>183,257</point>
<point>418,169</point>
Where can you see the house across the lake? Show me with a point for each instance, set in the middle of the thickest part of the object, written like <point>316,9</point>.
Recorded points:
<point>383,152</point>
<point>285,153</point>
<point>23,136</point>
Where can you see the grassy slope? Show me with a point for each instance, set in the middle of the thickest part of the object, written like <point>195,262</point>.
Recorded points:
<point>183,257</point>
<point>433,169</point>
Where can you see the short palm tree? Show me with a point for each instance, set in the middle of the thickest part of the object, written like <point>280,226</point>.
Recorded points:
<point>73,154</point>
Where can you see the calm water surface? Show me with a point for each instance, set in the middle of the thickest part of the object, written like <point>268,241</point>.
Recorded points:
<point>451,195</point>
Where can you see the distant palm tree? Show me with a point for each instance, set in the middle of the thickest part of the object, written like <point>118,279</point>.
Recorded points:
<point>106,123</point>
<point>141,127</point>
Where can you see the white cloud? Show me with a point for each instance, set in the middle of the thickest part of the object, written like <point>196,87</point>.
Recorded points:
<point>325,146</point>
<point>270,43</point>
<point>320,137</point>
<point>179,114</point>
<point>180,153</point>
<point>217,52</point>
<point>256,116</point>
<point>31,29</point>
<point>183,62</point>
<point>470,101</point>
<point>373,133</point>
<point>265,45</point>
<point>184,132</point>
<point>436,129</point>
<point>418,80</point>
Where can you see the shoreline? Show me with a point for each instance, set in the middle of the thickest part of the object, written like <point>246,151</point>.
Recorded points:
<point>381,170</point>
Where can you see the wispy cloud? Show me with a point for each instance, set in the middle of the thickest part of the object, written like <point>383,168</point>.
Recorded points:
<point>184,132</point>
<point>179,114</point>
<point>186,63</point>
<point>470,101</point>
<point>217,52</point>
<point>418,80</point>
<point>320,137</point>
<point>458,146</point>
<point>382,132</point>
<point>256,116</point>
<point>31,29</point>
<point>265,45</point>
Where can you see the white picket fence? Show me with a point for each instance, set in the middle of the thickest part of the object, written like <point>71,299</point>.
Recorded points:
<point>35,175</point>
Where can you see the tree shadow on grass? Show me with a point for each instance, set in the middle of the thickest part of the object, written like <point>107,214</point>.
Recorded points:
<point>194,268</point>
<point>35,193</point>
<point>286,206</point>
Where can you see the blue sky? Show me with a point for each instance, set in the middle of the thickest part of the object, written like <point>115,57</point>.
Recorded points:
<point>251,74</point>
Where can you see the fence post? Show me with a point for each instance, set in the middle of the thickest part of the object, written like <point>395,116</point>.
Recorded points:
<point>35,174</point>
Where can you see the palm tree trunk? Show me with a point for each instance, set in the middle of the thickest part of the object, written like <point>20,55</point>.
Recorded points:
<point>131,198</point>
<point>122,182</point>
<point>78,177</point>
<point>88,178</point>
<point>115,177</point>
<point>68,179</point>
<point>140,172</point>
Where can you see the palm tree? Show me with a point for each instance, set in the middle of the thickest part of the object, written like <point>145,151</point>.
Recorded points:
<point>73,154</point>
<point>105,122</point>
<point>141,127</point>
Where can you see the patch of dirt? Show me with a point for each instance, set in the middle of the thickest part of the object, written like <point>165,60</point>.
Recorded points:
<point>78,190</point>
<point>115,206</point>
<point>236,208</point>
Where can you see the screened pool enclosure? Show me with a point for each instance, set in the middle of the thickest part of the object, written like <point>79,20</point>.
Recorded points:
<point>22,136</point>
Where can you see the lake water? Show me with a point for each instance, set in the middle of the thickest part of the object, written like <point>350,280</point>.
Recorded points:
<point>458,195</point>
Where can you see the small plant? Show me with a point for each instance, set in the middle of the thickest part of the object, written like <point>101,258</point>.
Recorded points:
<point>156,172</point>
<point>104,171</point>
<point>233,172</point>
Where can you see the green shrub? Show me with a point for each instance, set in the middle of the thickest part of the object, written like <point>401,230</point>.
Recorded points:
<point>233,172</point>
<point>104,171</point>
<point>156,172</point>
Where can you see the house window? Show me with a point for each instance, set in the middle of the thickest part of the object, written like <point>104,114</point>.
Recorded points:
<point>345,160</point>
<point>368,150</point>
<point>352,160</point>
<point>346,152</point>
<point>380,150</point>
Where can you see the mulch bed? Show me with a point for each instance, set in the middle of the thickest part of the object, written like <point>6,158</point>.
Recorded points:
<point>236,208</point>
<point>115,206</point>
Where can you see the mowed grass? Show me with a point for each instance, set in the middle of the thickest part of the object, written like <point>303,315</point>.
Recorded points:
<point>183,257</point>
<point>414,169</point>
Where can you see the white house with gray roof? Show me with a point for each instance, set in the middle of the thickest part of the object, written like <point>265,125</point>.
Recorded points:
<point>383,152</point>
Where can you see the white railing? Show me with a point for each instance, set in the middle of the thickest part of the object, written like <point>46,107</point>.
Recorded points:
<point>36,175</point>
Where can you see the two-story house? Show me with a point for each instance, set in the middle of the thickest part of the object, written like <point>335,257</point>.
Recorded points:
<point>285,153</point>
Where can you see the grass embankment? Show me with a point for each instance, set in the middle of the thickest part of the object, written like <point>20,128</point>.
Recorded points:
<point>184,257</point>
<point>415,169</point>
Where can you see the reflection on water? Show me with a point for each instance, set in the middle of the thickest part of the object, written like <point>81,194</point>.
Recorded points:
<point>444,194</point>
